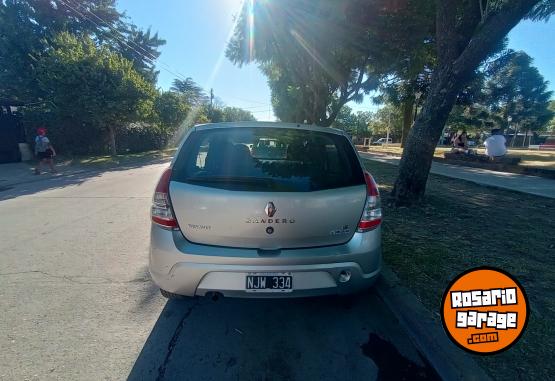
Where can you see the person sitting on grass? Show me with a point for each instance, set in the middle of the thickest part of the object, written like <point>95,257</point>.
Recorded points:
<point>44,151</point>
<point>496,144</point>
<point>460,142</point>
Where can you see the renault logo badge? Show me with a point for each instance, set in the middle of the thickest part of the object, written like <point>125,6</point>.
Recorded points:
<point>270,209</point>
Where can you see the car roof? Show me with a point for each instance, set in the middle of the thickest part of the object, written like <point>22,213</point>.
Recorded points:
<point>255,124</point>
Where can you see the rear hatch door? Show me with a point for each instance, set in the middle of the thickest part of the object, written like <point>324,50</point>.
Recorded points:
<point>267,188</point>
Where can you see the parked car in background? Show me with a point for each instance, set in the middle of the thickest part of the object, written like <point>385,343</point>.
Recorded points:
<point>296,215</point>
<point>382,141</point>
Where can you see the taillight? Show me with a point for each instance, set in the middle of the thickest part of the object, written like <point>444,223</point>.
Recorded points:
<point>372,213</point>
<point>161,212</point>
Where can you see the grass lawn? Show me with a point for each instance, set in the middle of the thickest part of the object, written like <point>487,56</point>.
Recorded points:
<point>530,158</point>
<point>456,228</point>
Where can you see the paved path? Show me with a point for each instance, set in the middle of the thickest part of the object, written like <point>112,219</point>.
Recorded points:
<point>520,183</point>
<point>77,302</point>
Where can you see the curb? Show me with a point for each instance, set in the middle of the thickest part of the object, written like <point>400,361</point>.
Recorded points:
<point>448,360</point>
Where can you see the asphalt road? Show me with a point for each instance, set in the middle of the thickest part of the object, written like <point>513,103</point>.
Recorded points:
<point>77,303</point>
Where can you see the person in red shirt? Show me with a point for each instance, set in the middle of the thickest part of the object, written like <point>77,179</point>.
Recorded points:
<point>44,151</point>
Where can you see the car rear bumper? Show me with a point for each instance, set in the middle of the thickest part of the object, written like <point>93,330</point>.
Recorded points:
<point>185,268</point>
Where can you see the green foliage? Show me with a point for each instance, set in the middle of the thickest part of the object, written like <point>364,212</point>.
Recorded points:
<point>222,113</point>
<point>314,61</point>
<point>466,33</point>
<point>236,114</point>
<point>65,58</point>
<point>140,47</point>
<point>507,86</point>
<point>470,118</point>
<point>403,46</point>
<point>140,137</point>
<point>355,124</point>
<point>520,92</point>
<point>193,93</point>
<point>88,74</point>
<point>26,30</point>
<point>111,92</point>
<point>551,124</point>
<point>171,109</point>
<point>387,118</point>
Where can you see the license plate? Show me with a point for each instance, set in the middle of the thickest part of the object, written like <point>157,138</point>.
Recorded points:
<point>269,282</point>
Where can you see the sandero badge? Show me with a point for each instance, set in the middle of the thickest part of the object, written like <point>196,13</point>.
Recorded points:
<point>270,209</point>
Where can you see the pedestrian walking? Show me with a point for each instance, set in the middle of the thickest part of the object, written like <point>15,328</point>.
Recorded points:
<point>44,151</point>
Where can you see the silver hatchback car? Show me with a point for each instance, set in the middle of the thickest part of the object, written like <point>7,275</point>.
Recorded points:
<point>257,209</point>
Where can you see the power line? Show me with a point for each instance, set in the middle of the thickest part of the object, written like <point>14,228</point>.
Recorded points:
<point>146,54</point>
<point>151,61</point>
<point>247,100</point>
<point>150,58</point>
<point>82,6</point>
<point>100,28</point>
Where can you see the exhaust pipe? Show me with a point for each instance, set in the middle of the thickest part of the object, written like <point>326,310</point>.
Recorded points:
<point>344,276</point>
<point>214,295</point>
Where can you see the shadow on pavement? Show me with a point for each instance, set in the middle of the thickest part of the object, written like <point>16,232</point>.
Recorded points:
<point>65,177</point>
<point>256,339</point>
<point>392,365</point>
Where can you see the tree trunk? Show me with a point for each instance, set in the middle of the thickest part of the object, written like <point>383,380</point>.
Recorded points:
<point>408,106</point>
<point>525,137</point>
<point>464,40</point>
<point>112,136</point>
<point>423,137</point>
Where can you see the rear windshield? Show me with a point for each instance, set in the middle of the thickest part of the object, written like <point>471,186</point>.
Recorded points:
<point>267,159</point>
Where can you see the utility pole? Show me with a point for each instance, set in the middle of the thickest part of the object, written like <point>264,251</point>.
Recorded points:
<point>388,128</point>
<point>211,102</point>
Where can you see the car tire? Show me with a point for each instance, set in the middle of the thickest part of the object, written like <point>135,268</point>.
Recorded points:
<point>170,295</point>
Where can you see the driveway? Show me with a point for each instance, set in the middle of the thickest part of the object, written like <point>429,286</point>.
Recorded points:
<point>77,302</point>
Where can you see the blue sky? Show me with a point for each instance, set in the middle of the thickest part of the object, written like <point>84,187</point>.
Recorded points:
<point>196,32</point>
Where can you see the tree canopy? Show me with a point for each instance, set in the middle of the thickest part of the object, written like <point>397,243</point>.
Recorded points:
<point>519,92</point>
<point>355,124</point>
<point>317,56</point>
<point>190,90</point>
<point>86,72</point>
<point>112,92</point>
<point>314,61</point>
<point>466,33</point>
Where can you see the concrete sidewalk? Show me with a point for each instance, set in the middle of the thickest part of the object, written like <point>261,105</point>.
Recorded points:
<point>538,186</point>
